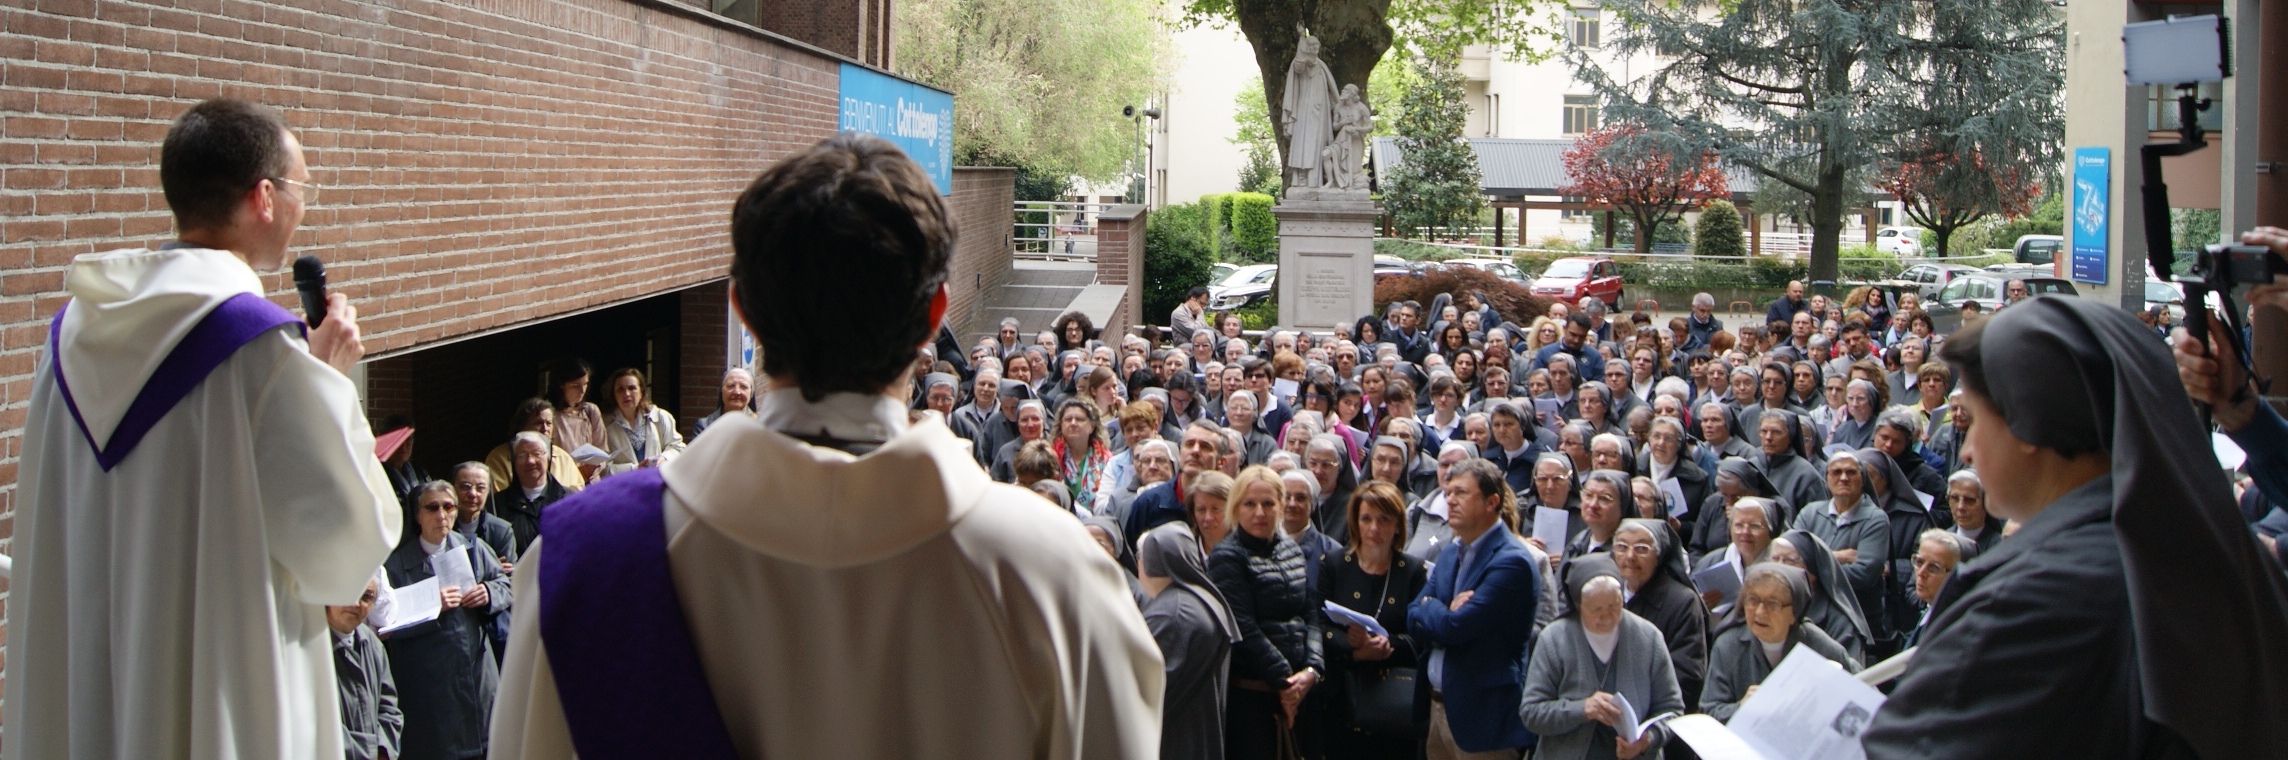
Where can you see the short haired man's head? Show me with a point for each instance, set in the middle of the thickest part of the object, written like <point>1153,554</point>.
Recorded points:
<point>232,169</point>
<point>839,256</point>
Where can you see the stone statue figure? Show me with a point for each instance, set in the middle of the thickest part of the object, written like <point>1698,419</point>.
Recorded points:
<point>1307,115</point>
<point>1345,158</point>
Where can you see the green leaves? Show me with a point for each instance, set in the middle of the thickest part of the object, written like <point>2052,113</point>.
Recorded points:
<point>1437,184</point>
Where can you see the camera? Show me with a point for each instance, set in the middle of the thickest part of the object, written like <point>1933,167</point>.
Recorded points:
<point>2225,267</point>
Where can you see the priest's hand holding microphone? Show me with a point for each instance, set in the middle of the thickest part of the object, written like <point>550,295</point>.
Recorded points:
<point>333,321</point>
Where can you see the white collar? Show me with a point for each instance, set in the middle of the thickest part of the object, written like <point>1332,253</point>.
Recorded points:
<point>862,417</point>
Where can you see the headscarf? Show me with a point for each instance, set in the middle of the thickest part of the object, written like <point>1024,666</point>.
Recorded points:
<point>1818,382</point>
<point>1832,602</point>
<point>1016,390</point>
<point>1899,493</point>
<point>2071,374</point>
<point>1800,598</point>
<point>1111,527</point>
<point>1626,499</point>
<point>1752,476</point>
<point>1171,551</point>
<point>1578,571</point>
<point>1346,476</point>
<point>1670,548</point>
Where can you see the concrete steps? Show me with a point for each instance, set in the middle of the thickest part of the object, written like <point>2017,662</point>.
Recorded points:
<point>1037,292</point>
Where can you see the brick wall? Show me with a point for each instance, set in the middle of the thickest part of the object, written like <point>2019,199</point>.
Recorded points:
<point>706,315</point>
<point>982,206</point>
<point>1120,260</point>
<point>486,163</point>
<point>858,29</point>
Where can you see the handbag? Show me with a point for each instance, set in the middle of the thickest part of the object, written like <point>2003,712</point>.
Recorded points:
<point>1382,697</point>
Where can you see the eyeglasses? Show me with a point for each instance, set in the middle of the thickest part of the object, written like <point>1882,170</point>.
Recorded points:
<point>1634,550</point>
<point>1930,567</point>
<point>306,191</point>
<point>1768,603</point>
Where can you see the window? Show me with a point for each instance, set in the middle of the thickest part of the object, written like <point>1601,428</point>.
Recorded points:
<point>1571,214</point>
<point>1582,27</point>
<point>1580,114</point>
<point>1954,291</point>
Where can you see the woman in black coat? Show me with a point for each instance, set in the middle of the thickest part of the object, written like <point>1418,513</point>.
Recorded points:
<point>445,672</point>
<point>1654,569</point>
<point>1374,579</point>
<point>1262,576</point>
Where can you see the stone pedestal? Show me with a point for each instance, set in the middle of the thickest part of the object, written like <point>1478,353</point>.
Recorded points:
<point>1326,259</point>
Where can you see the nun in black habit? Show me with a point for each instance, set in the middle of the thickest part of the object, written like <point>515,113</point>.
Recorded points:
<point>1660,591</point>
<point>1735,479</point>
<point>1195,630</point>
<point>1799,479</point>
<point>2132,614</point>
<point>1887,485</point>
<point>1606,501</point>
<point>1832,605</point>
<point>1753,640</point>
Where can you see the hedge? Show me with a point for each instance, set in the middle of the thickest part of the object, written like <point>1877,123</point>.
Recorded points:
<point>1254,231</point>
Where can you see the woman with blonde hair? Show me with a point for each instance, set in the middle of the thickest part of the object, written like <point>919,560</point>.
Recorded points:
<point>1279,658</point>
<point>638,433</point>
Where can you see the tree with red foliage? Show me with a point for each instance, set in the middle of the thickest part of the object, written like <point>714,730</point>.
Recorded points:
<point>1515,303</point>
<point>1943,192</point>
<point>1652,176</point>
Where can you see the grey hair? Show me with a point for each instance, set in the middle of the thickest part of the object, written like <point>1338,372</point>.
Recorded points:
<point>1672,422</point>
<point>1963,548</point>
<point>1872,393</point>
<point>1967,477</point>
<point>1228,442</point>
<point>1619,444</point>
<point>1901,420</point>
<point>1673,386</point>
<point>1327,442</point>
<point>1384,348</point>
<point>530,437</point>
<point>1252,401</point>
<point>742,371</point>
<point>1303,475</point>
<point>1279,456</point>
<point>1592,306</point>
<point>1033,404</point>
<point>1011,323</point>
<point>1601,584</point>
<point>1163,446</point>
<point>1703,299</point>
<point>1565,358</point>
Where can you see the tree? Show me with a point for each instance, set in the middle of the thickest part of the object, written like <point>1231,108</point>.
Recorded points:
<point>1946,192</point>
<point>1039,83</point>
<point>1253,129</point>
<point>1809,95</point>
<point>1176,258</point>
<point>1718,232</point>
<point>1354,34</point>
<point>1653,177</point>
<point>1436,184</point>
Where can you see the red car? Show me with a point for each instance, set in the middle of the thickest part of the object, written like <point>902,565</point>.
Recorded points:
<point>1579,277</point>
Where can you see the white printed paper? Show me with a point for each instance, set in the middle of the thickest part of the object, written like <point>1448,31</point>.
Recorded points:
<point>1711,740</point>
<point>588,454</point>
<point>410,605</point>
<point>1345,616</point>
<point>1808,708</point>
<point>452,569</point>
<point>1632,729</point>
<point>1675,493</point>
<point>1549,525</point>
<point>1722,578</point>
<point>1286,390</point>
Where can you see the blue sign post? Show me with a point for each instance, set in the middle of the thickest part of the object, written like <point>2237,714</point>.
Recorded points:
<point>918,118</point>
<point>2091,221</point>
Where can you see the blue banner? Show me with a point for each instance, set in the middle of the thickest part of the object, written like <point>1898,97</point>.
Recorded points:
<point>918,118</point>
<point>2091,223</point>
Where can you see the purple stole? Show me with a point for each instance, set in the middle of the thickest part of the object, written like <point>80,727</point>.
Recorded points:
<point>627,672</point>
<point>230,326</point>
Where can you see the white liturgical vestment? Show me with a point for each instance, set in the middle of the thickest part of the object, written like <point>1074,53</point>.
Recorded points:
<point>899,604</point>
<point>170,605</point>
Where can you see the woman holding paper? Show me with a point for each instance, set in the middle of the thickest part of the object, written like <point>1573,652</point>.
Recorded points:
<point>1772,620</point>
<point>445,671</point>
<point>1754,522</point>
<point>1374,579</point>
<point>1736,480</point>
<point>1598,674</point>
<point>1660,588</point>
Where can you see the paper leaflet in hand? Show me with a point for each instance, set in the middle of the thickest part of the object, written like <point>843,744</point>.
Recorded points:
<point>1547,410</point>
<point>1677,506</point>
<point>1807,709</point>
<point>1286,390</point>
<point>1632,729</point>
<point>409,605</point>
<point>588,454</point>
<point>1344,616</point>
<point>1550,525</point>
<point>452,569</point>
<point>1721,578</point>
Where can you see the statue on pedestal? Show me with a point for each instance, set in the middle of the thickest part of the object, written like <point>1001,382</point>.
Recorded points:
<point>1307,114</point>
<point>1345,162</point>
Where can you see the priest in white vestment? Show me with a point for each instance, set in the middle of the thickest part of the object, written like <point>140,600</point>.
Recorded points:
<point>855,586</point>
<point>168,590</point>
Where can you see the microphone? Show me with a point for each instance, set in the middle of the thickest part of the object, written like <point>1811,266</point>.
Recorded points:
<point>310,281</point>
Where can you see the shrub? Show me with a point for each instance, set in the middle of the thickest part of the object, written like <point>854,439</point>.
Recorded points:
<point>1176,258</point>
<point>1215,221</point>
<point>1511,300</point>
<point>1413,251</point>
<point>1262,315</point>
<point>1254,231</point>
<point>1718,231</point>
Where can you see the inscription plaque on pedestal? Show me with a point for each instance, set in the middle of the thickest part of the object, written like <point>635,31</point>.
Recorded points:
<point>1326,260</point>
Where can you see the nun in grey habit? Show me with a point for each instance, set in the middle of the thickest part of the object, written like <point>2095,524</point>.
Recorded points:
<point>1798,479</point>
<point>1832,605</point>
<point>2132,615</point>
<point>1572,662</point>
<point>1195,631</point>
<point>1750,643</point>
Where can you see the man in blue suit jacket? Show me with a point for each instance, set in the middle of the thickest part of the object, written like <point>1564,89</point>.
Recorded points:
<point>1478,614</point>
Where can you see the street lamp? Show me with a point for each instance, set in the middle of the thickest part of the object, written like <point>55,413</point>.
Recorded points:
<point>1140,164</point>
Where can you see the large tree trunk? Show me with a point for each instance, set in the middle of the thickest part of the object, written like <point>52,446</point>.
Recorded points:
<point>1353,35</point>
<point>1827,223</point>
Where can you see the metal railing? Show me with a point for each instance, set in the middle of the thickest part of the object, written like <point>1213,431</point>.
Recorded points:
<point>1056,230</point>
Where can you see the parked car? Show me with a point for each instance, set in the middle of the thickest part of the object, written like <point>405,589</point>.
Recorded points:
<point>1219,270</point>
<point>1578,277</point>
<point>2167,295</point>
<point>1386,264</point>
<point>1501,268</point>
<point>1900,241</point>
<point>2037,249</point>
<point>1928,279</point>
<point>1987,289</point>
<point>1245,286</point>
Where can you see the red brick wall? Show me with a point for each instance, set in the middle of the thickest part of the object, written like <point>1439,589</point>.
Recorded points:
<point>1120,260</point>
<point>983,209</point>
<point>705,319</point>
<point>486,163</point>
